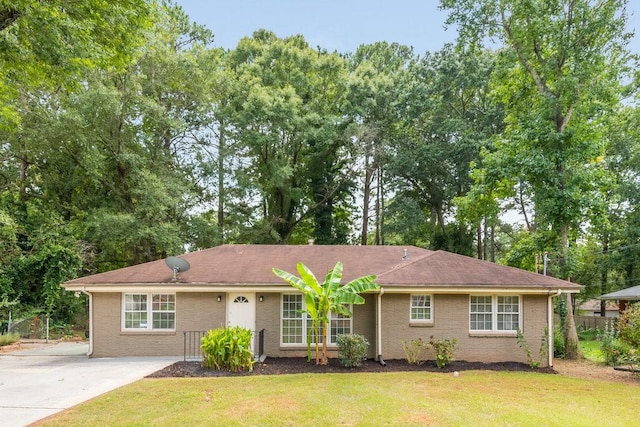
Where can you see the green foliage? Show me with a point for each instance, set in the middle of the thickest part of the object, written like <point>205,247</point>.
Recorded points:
<point>415,351</point>
<point>587,334</point>
<point>444,350</point>
<point>629,325</point>
<point>286,112</point>
<point>616,351</point>
<point>330,296</point>
<point>620,341</point>
<point>9,338</point>
<point>352,350</point>
<point>228,349</point>
<point>558,342</point>
<point>79,36</point>
<point>592,350</point>
<point>560,85</point>
<point>436,146</point>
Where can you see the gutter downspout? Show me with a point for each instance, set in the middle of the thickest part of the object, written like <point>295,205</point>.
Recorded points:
<point>90,295</point>
<point>379,328</point>
<point>550,326</point>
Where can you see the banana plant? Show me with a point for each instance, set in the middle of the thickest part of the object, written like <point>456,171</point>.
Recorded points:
<point>321,299</point>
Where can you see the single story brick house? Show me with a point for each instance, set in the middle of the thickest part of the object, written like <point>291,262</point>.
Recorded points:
<point>147,310</point>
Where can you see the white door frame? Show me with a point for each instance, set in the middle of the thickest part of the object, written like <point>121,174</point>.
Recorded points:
<point>241,311</point>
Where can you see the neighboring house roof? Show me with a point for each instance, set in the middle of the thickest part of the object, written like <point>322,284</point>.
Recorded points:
<point>594,305</point>
<point>628,294</point>
<point>395,266</point>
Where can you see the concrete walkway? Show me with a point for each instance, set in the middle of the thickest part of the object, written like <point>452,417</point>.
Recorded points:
<point>40,381</point>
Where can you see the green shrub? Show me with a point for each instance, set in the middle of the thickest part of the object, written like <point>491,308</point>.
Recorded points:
<point>609,343</point>
<point>444,349</point>
<point>9,338</point>
<point>415,351</point>
<point>558,342</point>
<point>352,350</point>
<point>615,351</point>
<point>629,326</point>
<point>228,349</point>
<point>618,343</point>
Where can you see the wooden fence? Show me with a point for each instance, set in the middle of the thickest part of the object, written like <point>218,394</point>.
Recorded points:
<point>592,322</point>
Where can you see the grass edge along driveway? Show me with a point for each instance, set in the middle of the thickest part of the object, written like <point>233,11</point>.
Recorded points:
<point>404,398</point>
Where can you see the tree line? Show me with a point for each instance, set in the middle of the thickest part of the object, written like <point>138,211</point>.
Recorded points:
<point>126,135</point>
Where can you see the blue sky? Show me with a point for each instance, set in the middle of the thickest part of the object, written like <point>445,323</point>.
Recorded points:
<point>339,25</point>
<point>330,24</point>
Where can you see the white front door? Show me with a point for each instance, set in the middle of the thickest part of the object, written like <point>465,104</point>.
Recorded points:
<point>241,311</point>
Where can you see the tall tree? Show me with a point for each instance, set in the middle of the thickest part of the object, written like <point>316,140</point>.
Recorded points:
<point>287,108</point>
<point>375,107</point>
<point>448,119</point>
<point>559,75</point>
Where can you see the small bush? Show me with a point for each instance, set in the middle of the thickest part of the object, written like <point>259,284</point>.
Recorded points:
<point>444,349</point>
<point>620,344</point>
<point>352,350</point>
<point>558,342</point>
<point>615,352</point>
<point>415,351</point>
<point>228,349</point>
<point>629,326</point>
<point>9,338</point>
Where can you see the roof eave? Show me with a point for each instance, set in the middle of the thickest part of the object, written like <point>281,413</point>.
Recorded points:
<point>270,287</point>
<point>488,289</point>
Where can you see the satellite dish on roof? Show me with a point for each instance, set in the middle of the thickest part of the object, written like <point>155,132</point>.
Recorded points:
<point>177,265</point>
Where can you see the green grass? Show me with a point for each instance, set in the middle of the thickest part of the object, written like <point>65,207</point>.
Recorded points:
<point>404,398</point>
<point>6,339</point>
<point>591,350</point>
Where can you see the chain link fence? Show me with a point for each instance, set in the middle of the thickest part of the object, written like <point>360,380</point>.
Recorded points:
<point>38,328</point>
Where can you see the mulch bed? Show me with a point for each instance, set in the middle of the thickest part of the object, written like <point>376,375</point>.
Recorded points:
<point>299,365</point>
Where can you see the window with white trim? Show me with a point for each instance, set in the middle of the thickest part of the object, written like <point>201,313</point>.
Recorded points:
<point>149,312</point>
<point>296,325</point>
<point>494,313</point>
<point>421,311</point>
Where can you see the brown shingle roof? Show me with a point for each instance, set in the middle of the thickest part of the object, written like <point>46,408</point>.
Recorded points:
<point>252,265</point>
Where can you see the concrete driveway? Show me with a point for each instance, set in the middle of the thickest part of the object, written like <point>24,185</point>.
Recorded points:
<point>38,382</point>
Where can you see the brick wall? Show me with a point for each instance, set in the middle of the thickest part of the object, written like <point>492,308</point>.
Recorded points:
<point>194,312</point>
<point>451,320</point>
<point>202,311</point>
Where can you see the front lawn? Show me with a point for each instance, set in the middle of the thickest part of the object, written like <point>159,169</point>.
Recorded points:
<point>401,398</point>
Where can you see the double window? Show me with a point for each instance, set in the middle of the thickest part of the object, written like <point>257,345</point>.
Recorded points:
<point>149,312</point>
<point>421,310</point>
<point>499,313</point>
<point>297,327</point>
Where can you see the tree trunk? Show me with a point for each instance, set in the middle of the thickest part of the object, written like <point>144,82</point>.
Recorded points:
<point>221,193</point>
<point>572,345</point>
<point>316,338</point>
<point>379,209</point>
<point>484,232</point>
<point>604,276</point>
<point>325,358</point>
<point>492,251</point>
<point>365,202</point>
<point>479,234</point>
